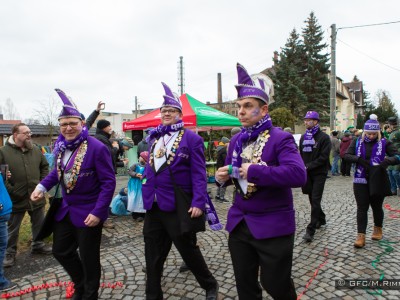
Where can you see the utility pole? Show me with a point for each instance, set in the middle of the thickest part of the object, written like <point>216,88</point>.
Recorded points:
<point>332,123</point>
<point>181,80</point>
<point>136,105</point>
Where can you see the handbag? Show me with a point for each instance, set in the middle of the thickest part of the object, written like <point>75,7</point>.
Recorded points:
<point>183,202</point>
<point>379,184</point>
<point>47,226</point>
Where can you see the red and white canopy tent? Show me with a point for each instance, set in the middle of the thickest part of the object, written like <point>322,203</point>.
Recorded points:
<point>197,116</point>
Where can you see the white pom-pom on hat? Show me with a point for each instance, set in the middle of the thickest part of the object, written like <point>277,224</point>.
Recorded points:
<point>373,117</point>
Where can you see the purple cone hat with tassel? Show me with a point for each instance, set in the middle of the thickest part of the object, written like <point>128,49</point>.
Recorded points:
<point>69,109</point>
<point>258,86</point>
<point>170,98</point>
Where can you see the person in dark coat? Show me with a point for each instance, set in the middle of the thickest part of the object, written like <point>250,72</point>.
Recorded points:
<point>345,166</point>
<point>28,166</point>
<point>88,184</point>
<point>103,134</point>
<point>221,155</point>
<point>366,152</point>
<point>264,165</point>
<point>315,148</point>
<point>143,145</point>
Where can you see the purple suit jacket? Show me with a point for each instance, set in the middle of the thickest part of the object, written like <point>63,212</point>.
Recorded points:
<point>269,212</point>
<point>94,188</point>
<point>189,170</point>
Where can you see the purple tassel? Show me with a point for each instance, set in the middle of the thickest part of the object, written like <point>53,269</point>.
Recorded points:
<point>211,215</point>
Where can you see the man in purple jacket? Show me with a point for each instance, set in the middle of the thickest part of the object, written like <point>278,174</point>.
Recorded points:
<point>264,165</point>
<point>87,183</point>
<point>182,151</point>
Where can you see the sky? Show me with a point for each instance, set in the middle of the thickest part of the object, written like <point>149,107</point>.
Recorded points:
<point>115,50</point>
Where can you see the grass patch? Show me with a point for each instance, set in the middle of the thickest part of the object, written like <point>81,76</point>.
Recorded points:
<point>25,232</point>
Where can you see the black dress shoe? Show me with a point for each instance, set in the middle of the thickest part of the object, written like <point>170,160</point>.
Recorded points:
<point>319,224</point>
<point>308,237</point>
<point>77,297</point>
<point>212,294</point>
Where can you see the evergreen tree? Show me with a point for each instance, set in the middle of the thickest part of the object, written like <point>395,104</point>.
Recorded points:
<point>287,77</point>
<point>360,121</point>
<point>385,108</point>
<point>315,79</point>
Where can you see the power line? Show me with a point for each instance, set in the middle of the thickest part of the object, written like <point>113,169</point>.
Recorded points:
<point>367,25</point>
<point>370,57</point>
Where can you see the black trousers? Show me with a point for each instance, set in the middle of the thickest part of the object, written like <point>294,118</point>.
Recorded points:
<point>274,257</point>
<point>160,230</point>
<point>315,198</point>
<point>364,201</point>
<point>84,269</point>
<point>345,167</point>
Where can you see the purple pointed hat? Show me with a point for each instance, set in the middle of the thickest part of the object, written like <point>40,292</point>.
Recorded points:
<point>258,86</point>
<point>312,115</point>
<point>170,98</point>
<point>372,124</point>
<point>69,109</point>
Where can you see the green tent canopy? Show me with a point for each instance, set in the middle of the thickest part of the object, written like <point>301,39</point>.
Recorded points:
<point>196,116</point>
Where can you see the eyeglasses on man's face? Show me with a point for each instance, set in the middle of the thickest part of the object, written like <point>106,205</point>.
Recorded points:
<point>169,111</point>
<point>27,133</point>
<point>70,124</point>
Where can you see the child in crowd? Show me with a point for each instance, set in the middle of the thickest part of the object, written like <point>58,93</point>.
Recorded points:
<point>135,200</point>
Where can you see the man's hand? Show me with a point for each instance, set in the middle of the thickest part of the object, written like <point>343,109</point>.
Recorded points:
<point>222,174</point>
<point>91,220</point>
<point>37,195</point>
<point>195,212</point>
<point>243,170</point>
<point>100,106</point>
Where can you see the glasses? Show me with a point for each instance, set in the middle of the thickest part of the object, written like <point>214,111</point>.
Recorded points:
<point>28,133</point>
<point>70,124</point>
<point>169,111</point>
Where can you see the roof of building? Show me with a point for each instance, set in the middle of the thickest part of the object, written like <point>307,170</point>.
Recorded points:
<point>44,130</point>
<point>355,86</point>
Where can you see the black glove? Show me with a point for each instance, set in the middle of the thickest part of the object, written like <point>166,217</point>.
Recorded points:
<point>388,161</point>
<point>363,162</point>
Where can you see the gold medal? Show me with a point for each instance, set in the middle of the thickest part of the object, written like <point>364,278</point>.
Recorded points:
<point>160,152</point>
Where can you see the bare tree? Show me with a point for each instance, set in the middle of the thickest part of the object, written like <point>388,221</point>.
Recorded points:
<point>47,114</point>
<point>10,112</point>
<point>31,121</point>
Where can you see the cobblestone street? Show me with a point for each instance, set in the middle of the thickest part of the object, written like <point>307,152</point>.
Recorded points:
<point>123,255</point>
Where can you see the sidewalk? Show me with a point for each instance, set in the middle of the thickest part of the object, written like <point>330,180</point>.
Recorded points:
<point>123,255</point>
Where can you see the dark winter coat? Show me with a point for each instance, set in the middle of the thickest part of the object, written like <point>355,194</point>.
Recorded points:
<point>28,168</point>
<point>221,155</point>
<point>105,139</point>
<point>317,161</point>
<point>346,141</point>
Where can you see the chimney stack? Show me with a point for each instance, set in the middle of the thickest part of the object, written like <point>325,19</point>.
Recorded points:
<point>276,56</point>
<point>219,91</point>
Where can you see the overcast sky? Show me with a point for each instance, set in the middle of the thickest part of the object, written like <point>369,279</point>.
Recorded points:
<point>116,50</point>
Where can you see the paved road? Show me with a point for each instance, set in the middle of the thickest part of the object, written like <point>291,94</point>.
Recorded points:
<point>123,255</point>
